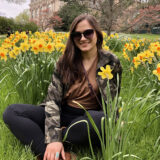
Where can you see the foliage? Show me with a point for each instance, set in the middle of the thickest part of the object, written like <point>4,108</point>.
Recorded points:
<point>30,26</point>
<point>8,25</point>
<point>55,21</point>
<point>113,42</point>
<point>23,17</point>
<point>146,18</point>
<point>69,11</point>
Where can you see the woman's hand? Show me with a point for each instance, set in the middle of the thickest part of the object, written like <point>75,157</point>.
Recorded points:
<point>54,150</point>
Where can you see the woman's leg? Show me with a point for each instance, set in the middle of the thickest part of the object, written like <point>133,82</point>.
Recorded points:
<point>78,134</point>
<point>27,123</point>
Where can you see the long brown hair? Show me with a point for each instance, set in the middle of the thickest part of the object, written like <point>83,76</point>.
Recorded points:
<point>69,65</point>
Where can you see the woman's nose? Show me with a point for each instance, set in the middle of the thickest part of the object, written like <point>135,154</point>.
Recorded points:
<point>82,37</point>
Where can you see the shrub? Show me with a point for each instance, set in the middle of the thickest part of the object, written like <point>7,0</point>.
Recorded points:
<point>69,11</point>
<point>31,26</point>
<point>8,25</point>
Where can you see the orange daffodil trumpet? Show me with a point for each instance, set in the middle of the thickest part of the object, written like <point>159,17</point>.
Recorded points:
<point>157,71</point>
<point>106,72</point>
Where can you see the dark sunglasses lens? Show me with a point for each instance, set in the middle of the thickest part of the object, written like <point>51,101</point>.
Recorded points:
<point>88,33</point>
<point>76,35</point>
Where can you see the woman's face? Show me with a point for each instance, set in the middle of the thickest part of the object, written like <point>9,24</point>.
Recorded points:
<point>86,42</point>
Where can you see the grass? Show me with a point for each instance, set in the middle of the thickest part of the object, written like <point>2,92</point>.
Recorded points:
<point>2,37</point>
<point>143,139</point>
<point>140,36</point>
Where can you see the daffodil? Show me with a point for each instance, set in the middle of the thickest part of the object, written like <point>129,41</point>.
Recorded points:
<point>116,35</point>
<point>126,56</point>
<point>49,47</point>
<point>157,71</point>
<point>136,61</point>
<point>106,72</point>
<point>112,35</point>
<point>132,69</point>
<point>137,45</point>
<point>3,54</point>
<point>12,55</point>
<point>24,46</point>
<point>120,110</point>
<point>35,49</point>
<point>106,48</point>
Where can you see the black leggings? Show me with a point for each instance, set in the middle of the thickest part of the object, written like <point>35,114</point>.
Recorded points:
<point>27,123</point>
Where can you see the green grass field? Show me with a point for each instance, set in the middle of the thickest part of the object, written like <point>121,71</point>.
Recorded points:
<point>147,36</point>
<point>144,133</point>
<point>2,39</point>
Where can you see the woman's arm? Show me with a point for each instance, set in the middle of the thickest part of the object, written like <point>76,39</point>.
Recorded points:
<point>117,74</point>
<point>53,135</point>
<point>52,110</point>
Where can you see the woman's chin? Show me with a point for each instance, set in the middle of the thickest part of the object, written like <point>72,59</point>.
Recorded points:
<point>85,49</point>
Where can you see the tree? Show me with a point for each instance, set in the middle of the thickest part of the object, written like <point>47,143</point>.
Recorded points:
<point>23,17</point>
<point>71,10</point>
<point>55,21</point>
<point>139,16</point>
<point>147,18</point>
<point>110,11</point>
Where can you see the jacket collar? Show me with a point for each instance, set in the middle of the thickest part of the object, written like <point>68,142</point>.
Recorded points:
<point>103,58</point>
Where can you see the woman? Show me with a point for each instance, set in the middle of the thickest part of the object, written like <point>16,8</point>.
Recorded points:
<point>74,79</point>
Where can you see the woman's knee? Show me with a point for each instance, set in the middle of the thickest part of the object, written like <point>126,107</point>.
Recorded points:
<point>9,114</point>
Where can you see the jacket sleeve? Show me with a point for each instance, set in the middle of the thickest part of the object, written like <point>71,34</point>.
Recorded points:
<point>52,110</point>
<point>117,74</point>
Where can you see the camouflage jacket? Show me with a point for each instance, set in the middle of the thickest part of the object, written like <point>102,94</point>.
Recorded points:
<point>57,90</point>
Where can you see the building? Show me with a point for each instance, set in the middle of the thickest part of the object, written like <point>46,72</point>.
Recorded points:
<point>42,10</point>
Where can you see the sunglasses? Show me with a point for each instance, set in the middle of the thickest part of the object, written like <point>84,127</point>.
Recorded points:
<point>88,34</point>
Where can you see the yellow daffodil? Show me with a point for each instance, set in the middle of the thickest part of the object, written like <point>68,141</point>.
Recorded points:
<point>116,35</point>
<point>35,49</point>
<point>24,46</point>
<point>132,69</point>
<point>126,56</point>
<point>133,40</point>
<point>106,48</point>
<point>157,71</point>
<point>120,110</point>
<point>12,55</point>
<point>59,47</point>
<point>106,72</point>
<point>49,47</point>
<point>137,45</point>
<point>112,35</point>
<point>136,61</point>
<point>3,54</point>
<point>16,50</point>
